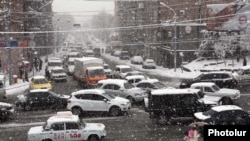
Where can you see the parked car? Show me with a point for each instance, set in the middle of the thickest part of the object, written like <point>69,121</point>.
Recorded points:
<point>66,126</point>
<point>151,84</point>
<point>225,95</point>
<point>131,73</point>
<point>40,82</point>
<point>117,53</point>
<point>136,60</point>
<point>121,71</point>
<point>124,55</point>
<point>96,100</point>
<point>242,75</point>
<point>120,87</point>
<point>224,115</point>
<point>41,98</point>
<point>58,74</point>
<point>6,111</point>
<point>149,64</point>
<point>223,79</point>
<point>134,79</point>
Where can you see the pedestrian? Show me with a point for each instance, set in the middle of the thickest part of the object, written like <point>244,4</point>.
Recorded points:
<point>193,134</point>
<point>40,64</point>
<point>244,61</point>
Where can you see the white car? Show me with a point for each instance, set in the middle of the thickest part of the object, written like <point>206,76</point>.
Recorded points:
<point>149,64</point>
<point>215,93</point>
<point>121,87</point>
<point>121,71</point>
<point>58,74</point>
<point>134,79</point>
<point>65,126</point>
<point>136,60</point>
<point>242,75</point>
<point>94,100</point>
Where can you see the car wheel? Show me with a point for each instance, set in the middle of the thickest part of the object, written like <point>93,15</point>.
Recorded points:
<point>162,119</point>
<point>27,107</point>
<point>114,111</point>
<point>225,101</point>
<point>93,138</point>
<point>76,111</point>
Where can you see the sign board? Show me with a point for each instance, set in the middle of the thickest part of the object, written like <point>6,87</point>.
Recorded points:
<point>11,43</point>
<point>3,44</point>
<point>242,21</point>
<point>188,29</point>
<point>175,39</point>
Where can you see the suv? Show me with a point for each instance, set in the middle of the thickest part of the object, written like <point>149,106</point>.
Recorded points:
<point>120,87</point>
<point>66,126</point>
<point>165,104</point>
<point>97,101</point>
<point>223,79</point>
<point>58,74</point>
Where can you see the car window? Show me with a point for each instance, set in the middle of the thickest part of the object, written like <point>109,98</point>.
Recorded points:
<point>97,97</point>
<point>111,87</point>
<point>57,126</point>
<point>224,75</point>
<point>207,89</point>
<point>72,125</point>
<point>99,85</point>
<point>141,85</point>
<point>247,72</point>
<point>137,80</point>
<point>84,96</point>
<point>128,86</point>
<point>131,81</point>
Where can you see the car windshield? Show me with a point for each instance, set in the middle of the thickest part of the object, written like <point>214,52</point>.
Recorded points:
<point>216,88</point>
<point>40,81</point>
<point>128,86</point>
<point>124,70</point>
<point>70,63</point>
<point>96,72</point>
<point>209,112</point>
<point>53,64</point>
<point>106,67</point>
<point>159,85</point>
<point>240,71</point>
<point>58,71</point>
<point>109,96</point>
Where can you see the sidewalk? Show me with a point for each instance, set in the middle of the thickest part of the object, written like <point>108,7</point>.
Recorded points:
<point>21,87</point>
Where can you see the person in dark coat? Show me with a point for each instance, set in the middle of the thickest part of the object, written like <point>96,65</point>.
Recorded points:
<point>244,61</point>
<point>40,64</point>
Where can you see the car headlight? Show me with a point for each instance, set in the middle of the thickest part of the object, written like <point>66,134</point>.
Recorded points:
<point>125,104</point>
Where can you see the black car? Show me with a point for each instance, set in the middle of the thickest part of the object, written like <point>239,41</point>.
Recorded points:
<point>6,111</point>
<point>41,98</point>
<point>224,115</point>
<point>223,79</point>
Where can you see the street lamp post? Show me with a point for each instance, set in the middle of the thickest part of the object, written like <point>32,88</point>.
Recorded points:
<point>175,38</point>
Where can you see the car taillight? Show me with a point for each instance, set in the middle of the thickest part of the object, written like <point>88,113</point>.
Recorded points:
<point>68,101</point>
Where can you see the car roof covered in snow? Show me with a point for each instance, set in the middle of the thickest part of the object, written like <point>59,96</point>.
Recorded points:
<point>208,84</point>
<point>225,108</point>
<point>113,81</point>
<point>170,91</point>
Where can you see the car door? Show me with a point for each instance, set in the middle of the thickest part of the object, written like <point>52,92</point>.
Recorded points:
<point>245,78</point>
<point>209,91</point>
<point>58,131</point>
<point>113,89</point>
<point>85,100</point>
<point>74,132</point>
<point>99,102</point>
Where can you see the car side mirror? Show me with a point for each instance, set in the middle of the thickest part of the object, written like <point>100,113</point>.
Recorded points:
<point>105,100</point>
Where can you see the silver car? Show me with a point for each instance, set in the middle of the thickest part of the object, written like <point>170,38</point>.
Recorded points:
<point>120,87</point>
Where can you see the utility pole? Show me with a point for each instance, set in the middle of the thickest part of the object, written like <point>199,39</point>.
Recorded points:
<point>7,38</point>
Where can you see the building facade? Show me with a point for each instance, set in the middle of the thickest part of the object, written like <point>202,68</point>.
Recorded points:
<point>150,29</point>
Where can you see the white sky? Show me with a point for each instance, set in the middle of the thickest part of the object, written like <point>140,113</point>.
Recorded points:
<point>81,8</point>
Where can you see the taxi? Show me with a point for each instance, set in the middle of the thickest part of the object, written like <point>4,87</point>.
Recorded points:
<point>40,82</point>
<point>64,126</point>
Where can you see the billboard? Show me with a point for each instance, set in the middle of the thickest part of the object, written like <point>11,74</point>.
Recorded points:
<point>230,17</point>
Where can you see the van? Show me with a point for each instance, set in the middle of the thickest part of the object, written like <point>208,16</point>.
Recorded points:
<point>2,85</point>
<point>165,104</point>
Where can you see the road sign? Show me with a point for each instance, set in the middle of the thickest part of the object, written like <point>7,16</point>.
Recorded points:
<point>175,39</point>
<point>242,21</point>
